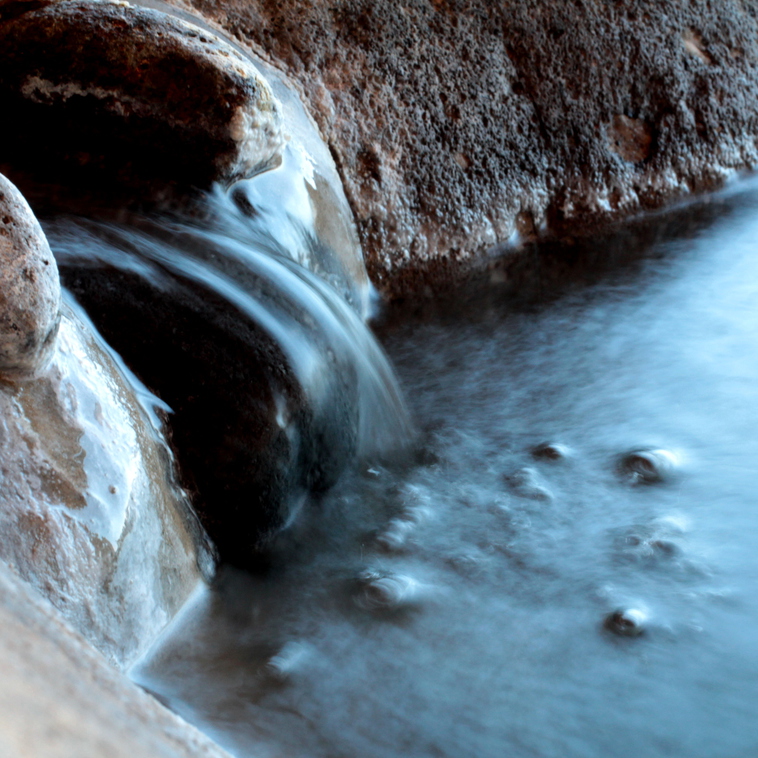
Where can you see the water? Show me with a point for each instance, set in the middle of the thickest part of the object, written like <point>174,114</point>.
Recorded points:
<point>454,603</point>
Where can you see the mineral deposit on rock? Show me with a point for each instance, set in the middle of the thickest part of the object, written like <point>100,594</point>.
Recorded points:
<point>456,123</point>
<point>90,514</point>
<point>30,293</point>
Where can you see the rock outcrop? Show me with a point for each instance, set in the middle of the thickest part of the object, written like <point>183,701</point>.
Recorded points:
<point>109,95</point>
<point>30,293</point>
<point>459,124</point>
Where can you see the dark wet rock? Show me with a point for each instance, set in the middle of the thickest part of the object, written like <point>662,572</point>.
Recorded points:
<point>90,512</point>
<point>30,293</point>
<point>252,442</point>
<point>648,466</point>
<point>550,451</point>
<point>107,94</point>
<point>457,124</point>
<point>627,622</point>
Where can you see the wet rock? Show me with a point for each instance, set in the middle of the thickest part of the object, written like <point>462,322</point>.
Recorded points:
<point>648,466</point>
<point>628,622</point>
<point>455,125</point>
<point>108,94</point>
<point>550,451</point>
<point>30,292</point>
<point>90,512</point>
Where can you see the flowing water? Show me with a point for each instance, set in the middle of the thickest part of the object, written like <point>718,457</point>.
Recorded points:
<point>460,601</point>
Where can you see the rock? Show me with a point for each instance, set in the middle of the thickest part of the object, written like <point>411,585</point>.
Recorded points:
<point>30,292</point>
<point>550,451</point>
<point>629,622</point>
<point>110,95</point>
<point>648,466</point>
<point>59,697</point>
<point>456,124</point>
<point>90,512</point>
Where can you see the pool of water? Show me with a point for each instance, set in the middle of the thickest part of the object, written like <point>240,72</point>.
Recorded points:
<point>455,601</point>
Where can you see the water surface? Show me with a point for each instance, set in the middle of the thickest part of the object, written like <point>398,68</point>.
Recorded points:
<point>451,603</point>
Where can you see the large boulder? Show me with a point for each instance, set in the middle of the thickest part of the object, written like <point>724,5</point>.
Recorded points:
<point>109,95</point>
<point>458,124</point>
<point>90,511</point>
<point>30,293</point>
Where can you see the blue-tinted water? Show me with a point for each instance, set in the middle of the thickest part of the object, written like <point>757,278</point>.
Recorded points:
<point>452,603</point>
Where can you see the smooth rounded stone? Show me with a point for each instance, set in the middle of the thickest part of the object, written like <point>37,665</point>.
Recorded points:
<point>649,466</point>
<point>526,483</point>
<point>551,451</point>
<point>387,592</point>
<point>90,512</point>
<point>626,622</point>
<point>459,126</point>
<point>30,292</point>
<point>108,94</point>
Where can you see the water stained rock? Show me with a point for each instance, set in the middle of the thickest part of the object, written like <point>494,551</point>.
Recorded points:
<point>90,511</point>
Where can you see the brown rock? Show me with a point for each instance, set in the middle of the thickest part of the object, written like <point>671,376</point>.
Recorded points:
<point>106,92</point>
<point>59,698</point>
<point>30,292</point>
<point>453,121</point>
<point>90,513</point>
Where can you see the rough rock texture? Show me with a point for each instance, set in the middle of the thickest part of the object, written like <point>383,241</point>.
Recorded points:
<point>104,92</point>
<point>59,698</point>
<point>30,293</point>
<point>456,123</point>
<point>89,512</point>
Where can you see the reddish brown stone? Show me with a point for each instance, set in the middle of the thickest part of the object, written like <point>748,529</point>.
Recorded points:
<point>455,123</point>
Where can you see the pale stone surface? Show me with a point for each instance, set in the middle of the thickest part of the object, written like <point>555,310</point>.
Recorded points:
<point>90,514</point>
<point>109,91</point>
<point>30,292</point>
<point>59,698</point>
<point>458,124</point>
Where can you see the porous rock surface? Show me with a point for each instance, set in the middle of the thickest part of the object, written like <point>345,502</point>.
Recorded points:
<point>30,293</point>
<point>455,123</point>
<point>60,698</point>
<point>106,93</point>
